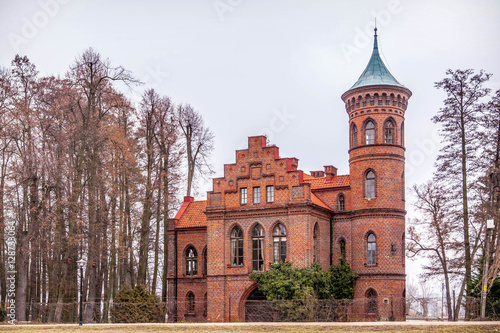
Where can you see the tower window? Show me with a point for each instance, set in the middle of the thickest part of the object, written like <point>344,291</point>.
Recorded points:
<point>402,133</point>
<point>341,203</point>
<point>389,132</point>
<point>316,249</point>
<point>279,244</point>
<point>370,185</point>
<point>191,261</point>
<point>236,246</point>
<point>370,133</point>
<point>403,195</point>
<point>258,249</point>
<point>354,134</point>
<point>371,250</point>
<point>403,248</point>
<point>256,195</point>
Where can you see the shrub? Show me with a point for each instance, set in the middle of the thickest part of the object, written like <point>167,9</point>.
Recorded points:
<point>137,305</point>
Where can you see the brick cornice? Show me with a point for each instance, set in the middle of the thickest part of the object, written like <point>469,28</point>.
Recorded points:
<point>377,156</point>
<point>304,207</point>
<point>374,212</point>
<point>381,276</point>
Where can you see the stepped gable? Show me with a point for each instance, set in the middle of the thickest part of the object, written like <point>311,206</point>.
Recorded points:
<point>257,165</point>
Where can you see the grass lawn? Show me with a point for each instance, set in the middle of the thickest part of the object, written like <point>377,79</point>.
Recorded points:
<point>310,327</point>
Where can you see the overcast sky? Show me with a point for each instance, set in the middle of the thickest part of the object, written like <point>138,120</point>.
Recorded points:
<point>268,67</point>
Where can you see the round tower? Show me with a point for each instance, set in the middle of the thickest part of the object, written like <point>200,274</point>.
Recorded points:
<point>376,106</point>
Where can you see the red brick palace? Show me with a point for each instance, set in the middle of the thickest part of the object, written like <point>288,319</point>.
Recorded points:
<point>265,209</point>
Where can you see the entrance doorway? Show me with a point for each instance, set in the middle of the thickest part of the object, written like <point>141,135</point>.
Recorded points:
<point>257,308</point>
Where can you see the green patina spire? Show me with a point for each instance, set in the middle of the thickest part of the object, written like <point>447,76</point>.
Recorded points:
<point>375,72</point>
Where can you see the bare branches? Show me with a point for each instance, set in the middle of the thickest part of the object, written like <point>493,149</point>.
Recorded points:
<point>199,141</point>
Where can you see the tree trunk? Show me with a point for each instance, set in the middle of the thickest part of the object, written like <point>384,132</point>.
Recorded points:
<point>166,204</point>
<point>468,258</point>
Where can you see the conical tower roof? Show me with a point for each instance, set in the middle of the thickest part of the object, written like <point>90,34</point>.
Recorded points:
<point>376,73</point>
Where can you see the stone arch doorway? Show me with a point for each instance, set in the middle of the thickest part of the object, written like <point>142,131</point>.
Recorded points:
<point>257,308</point>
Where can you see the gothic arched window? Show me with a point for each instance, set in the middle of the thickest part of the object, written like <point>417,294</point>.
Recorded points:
<point>258,249</point>
<point>403,196</point>
<point>236,246</point>
<point>316,248</point>
<point>205,262</point>
<point>191,261</point>
<point>389,132</point>
<point>190,302</point>
<point>341,203</point>
<point>342,249</point>
<point>205,305</point>
<point>354,135</point>
<point>369,133</point>
<point>402,134</point>
<point>371,295</point>
<point>403,248</point>
<point>371,257</point>
<point>370,185</point>
<point>279,244</point>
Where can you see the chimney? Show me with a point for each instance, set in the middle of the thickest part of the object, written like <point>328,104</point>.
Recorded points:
<point>330,171</point>
<point>317,174</point>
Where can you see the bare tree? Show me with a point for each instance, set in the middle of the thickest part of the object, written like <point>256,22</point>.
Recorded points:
<point>456,165</point>
<point>6,94</point>
<point>199,141</point>
<point>93,77</point>
<point>490,162</point>
<point>82,176</point>
<point>25,82</point>
<point>149,106</point>
<point>168,139</point>
<point>432,234</point>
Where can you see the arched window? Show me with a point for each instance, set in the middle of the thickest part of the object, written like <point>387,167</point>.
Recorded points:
<point>258,249</point>
<point>316,248</point>
<point>389,132</point>
<point>205,305</point>
<point>403,248</point>
<point>403,189</point>
<point>402,133</point>
<point>341,203</point>
<point>342,249</point>
<point>279,246</point>
<point>190,302</point>
<point>236,246</point>
<point>371,258</point>
<point>371,308</point>
<point>370,185</point>
<point>369,133</point>
<point>191,261</point>
<point>354,134</point>
<point>403,302</point>
<point>205,263</point>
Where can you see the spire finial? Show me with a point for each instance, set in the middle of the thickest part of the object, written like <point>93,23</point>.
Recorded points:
<point>375,44</point>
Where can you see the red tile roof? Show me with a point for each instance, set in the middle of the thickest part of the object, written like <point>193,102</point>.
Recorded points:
<point>193,215</point>
<point>318,201</point>
<point>322,182</point>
